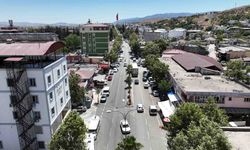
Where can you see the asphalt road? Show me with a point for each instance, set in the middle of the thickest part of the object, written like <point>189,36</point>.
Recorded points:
<point>143,126</point>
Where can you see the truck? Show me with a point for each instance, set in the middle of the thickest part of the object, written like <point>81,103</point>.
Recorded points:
<point>135,70</point>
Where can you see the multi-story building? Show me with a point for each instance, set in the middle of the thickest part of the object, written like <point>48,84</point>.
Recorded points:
<point>95,39</point>
<point>34,91</point>
<point>196,77</point>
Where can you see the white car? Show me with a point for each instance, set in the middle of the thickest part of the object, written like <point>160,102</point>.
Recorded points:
<point>115,70</point>
<point>140,108</point>
<point>111,72</point>
<point>103,99</point>
<point>125,128</point>
<point>146,85</point>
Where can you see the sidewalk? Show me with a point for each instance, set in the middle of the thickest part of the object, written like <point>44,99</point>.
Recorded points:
<point>92,110</point>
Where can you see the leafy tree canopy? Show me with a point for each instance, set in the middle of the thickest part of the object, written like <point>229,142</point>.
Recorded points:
<point>77,93</point>
<point>213,113</point>
<point>206,136</point>
<point>72,41</point>
<point>235,69</point>
<point>129,143</point>
<point>70,135</point>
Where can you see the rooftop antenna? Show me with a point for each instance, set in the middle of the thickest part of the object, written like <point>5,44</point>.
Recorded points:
<point>89,22</point>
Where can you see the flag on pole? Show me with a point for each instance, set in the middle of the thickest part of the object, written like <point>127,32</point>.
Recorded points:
<point>117,17</point>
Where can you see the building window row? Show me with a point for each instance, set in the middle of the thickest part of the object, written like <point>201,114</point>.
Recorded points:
<point>32,82</point>
<point>247,99</point>
<point>203,99</point>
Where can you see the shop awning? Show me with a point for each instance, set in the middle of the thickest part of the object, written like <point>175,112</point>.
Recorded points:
<point>167,108</point>
<point>172,97</point>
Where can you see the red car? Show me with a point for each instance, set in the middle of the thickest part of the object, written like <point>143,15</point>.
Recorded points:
<point>109,78</point>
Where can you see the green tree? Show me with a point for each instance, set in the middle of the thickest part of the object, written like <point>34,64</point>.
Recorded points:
<point>134,43</point>
<point>183,116</point>
<point>206,136</point>
<point>71,134</point>
<point>214,113</point>
<point>112,56</point>
<point>151,48</point>
<point>77,93</point>
<point>129,69</point>
<point>129,143</point>
<point>164,86</point>
<point>72,41</point>
<point>235,69</point>
<point>162,44</point>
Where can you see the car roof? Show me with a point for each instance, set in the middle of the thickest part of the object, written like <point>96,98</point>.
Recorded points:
<point>124,121</point>
<point>139,105</point>
<point>152,106</point>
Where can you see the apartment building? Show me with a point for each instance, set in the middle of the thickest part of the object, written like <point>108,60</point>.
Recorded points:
<point>196,77</point>
<point>95,39</point>
<point>34,92</point>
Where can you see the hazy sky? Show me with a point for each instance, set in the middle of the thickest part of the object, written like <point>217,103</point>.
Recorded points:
<point>78,11</point>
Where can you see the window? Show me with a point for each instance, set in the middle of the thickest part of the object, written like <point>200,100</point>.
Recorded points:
<point>32,82</point>
<point>246,99</point>
<point>38,129</point>
<point>35,99</point>
<point>49,80</point>
<point>58,73</point>
<point>10,82</point>
<point>41,144</point>
<point>51,96</point>
<point>67,93</point>
<point>64,68</point>
<point>230,98</point>
<point>66,81</point>
<point>61,100</point>
<point>52,111</point>
<point>13,99</point>
<point>1,145</point>
<point>37,115</point>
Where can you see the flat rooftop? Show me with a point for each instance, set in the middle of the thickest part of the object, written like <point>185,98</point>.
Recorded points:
<point>196,83</point>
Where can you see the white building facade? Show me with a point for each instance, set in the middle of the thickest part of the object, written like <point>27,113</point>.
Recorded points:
<point>177,33</point>
<point>35,98</point>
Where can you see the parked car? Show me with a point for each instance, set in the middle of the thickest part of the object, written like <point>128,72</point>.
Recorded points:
<point>146,85</point>
<point>115,70</point>
<point>140,108</point>
<point>111,72</point>
<point>81,109</point>
<point>155,93</point>
<point>110,77</point>
<point>125,64</point>
<point>136,81</point>
<point>125,128</point>
<point>103,99</point>
<point>144,79</point>
<point>152,110</point>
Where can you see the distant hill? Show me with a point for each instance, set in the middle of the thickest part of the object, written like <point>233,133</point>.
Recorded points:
<point>153,18</point>
<point>30,24</point>
<point>206,20</point>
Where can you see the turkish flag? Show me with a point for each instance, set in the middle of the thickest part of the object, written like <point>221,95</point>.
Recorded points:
<point>117,17</point>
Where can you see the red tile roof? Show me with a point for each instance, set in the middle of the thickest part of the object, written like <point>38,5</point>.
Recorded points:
<point>190,60</point>
<point>29,49</point>
<point>85,73</point>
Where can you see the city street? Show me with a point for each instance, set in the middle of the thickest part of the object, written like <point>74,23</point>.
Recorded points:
<point>143,126</point>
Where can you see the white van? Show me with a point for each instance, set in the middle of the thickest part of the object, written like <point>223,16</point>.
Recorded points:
<point>105,91</point>
<point>94,126</point>
<point>152,110</point>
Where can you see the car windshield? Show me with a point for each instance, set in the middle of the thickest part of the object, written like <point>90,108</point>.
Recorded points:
<point>153,110</point>
<point>125,125</point>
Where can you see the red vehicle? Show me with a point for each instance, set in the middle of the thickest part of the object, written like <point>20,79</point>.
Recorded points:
<point>109,78</point>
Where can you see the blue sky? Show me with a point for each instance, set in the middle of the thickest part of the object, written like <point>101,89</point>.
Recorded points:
<point>78,11</point>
